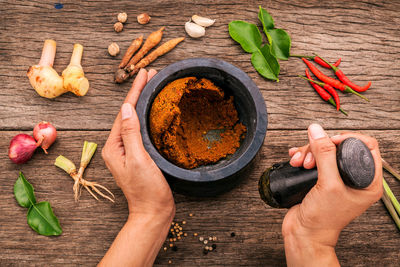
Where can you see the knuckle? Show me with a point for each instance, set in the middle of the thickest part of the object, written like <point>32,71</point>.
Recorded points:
<point>373,142</point>
<point>325,147</point>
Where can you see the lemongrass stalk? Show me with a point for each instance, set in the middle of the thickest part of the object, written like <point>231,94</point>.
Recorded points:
<point>65,164</point>
<point>391,196</point>
<point>87,153</point>
<point>390,208</point>
<point>392,171</point>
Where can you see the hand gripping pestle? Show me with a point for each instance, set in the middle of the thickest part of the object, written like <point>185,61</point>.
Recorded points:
<point>283,186</point>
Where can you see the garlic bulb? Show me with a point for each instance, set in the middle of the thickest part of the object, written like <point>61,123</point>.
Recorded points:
<point>202,21</point>
<point>194,30</point>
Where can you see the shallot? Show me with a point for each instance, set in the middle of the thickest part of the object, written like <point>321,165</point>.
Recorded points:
<point>21,149</point>
<point>45,135</point>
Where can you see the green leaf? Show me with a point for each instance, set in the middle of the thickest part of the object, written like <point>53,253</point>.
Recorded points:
<point>42,219</point>
<point>265,63</point>
<point>266,20</point>
<point>246,34</point>
<point>280,45</point>
<point>23,192</point>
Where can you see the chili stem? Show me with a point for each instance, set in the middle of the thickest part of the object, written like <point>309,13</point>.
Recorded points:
<point>300,56</point>
<point>319,83</point>
<point>391,196</point>
<point>349,90</point>
<point>334,68</point>
<point>330,100</point>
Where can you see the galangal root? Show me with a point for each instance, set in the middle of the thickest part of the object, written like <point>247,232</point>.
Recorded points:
<point>129,66</point>
<point>46,81</point>
<point>68,166</point>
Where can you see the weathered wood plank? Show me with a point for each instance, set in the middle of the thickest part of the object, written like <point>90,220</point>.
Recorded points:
<point>90,226</point>
<point>363,33</point>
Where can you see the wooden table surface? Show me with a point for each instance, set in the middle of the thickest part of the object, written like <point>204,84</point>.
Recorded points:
<point>365,34</point>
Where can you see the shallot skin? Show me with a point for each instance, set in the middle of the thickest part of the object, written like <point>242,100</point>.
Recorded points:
<point>45,134</point>
<point>21,148</point>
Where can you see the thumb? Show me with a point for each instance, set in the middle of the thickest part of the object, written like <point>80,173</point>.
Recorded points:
<point>130,130</point>
<point>324,152</point>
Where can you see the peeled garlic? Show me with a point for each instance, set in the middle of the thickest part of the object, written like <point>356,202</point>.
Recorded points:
<point>194,30</point>
<point>202,21</point>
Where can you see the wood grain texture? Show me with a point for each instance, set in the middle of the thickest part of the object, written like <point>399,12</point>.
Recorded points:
<point>363,33</point>
<point>90,226</point>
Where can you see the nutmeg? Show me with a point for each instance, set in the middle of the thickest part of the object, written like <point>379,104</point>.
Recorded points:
<point>118,26</point>
<point>143,18</point>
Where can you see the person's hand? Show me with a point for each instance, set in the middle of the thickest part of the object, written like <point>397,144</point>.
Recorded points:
<point>313,227</point>
<point>142,182</point>
<point>150,201</point>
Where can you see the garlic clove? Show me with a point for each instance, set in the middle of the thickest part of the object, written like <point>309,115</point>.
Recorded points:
<point>202,21</point>
<point>194,30</point>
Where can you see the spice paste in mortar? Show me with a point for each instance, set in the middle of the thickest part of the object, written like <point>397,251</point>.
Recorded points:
<point>183,116</point>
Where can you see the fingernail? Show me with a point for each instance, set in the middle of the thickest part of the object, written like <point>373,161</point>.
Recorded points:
<point>141,71</point>
<point>126,111</point>
<point>296,156</point>
<point>316,131</point>
<point>308,158</point>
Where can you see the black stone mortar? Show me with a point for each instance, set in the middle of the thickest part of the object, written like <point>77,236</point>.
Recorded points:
<point>222,176</point>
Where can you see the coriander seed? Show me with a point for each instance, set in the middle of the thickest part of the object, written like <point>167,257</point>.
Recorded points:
<point>118,26</point>
<point>122,17</point>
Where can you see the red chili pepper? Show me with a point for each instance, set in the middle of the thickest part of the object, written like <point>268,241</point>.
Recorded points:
<point>319,61</point>
<point>346,80</point>
<point>322,63</point>
<point>328,88</point>
<point>331,81</point>
<point>324,95</point>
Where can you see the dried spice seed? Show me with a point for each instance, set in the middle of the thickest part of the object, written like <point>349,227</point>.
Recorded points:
<point>169,262</point>
<point>205,251</point>
<point>191,214</point>
<point>214,246</point>
<point>205,242</point>
<point>201,238</point>
<point>206,247</point>
<point>175,248</point>
<point>185,234</point>
<point>195,234</point>
<point>171,245</point>
<point>170,235</point>
<point>214,238</point>
<point>210,248</point>
<point>179,238</point>
<point>210,238</point>
<point>174,239</point>
<point>165,248</point>
<point>233,234</point>
<point>184,222</point>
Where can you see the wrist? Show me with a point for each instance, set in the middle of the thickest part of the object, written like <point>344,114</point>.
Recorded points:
<point>306,252</point>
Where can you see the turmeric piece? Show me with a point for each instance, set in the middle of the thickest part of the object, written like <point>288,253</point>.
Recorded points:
<point>151,41</point>
<point>193,123</point>
<point>159,51</point>
<point>130,51</point>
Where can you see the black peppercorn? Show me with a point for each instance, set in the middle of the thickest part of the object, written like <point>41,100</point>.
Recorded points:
<point>214,246</point>
<point>170,235</point>
<point>174,248</point>
<point>232,234</point>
